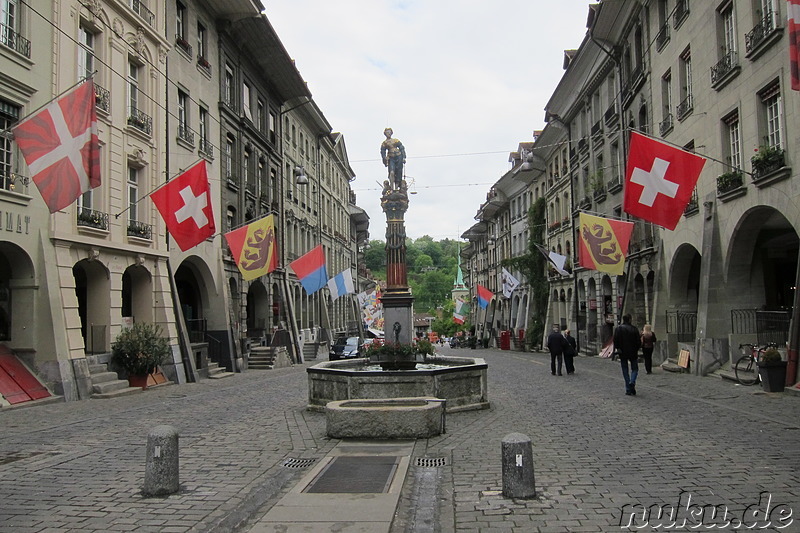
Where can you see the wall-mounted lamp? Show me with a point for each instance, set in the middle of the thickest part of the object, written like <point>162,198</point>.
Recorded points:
<point>300,176</point>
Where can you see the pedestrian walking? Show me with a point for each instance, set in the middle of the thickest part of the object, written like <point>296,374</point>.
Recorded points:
<point>626,343</point>
<point>570,351</point>
<point>648,343</point>
<point>556,344</point>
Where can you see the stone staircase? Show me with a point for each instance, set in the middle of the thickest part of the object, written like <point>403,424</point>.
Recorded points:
<point>106,384</point>
<point>268,357</point>
<point>217,372</point>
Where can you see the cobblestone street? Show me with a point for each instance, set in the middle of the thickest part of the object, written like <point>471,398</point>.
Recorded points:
<point>79,466</point>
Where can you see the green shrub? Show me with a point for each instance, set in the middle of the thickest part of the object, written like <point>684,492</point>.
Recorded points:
<point>140,348</point>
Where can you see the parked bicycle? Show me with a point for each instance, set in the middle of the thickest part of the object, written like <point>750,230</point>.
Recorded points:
<point>746,368</point>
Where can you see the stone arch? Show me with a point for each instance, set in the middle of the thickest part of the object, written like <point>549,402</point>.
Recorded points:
<point>137,294</point>
<point>93,291</point>
<point>17,295</point>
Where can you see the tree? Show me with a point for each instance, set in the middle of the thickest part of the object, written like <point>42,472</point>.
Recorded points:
<point>532,265</point>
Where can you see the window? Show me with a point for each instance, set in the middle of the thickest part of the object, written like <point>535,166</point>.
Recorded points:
<point>666,93</point>
<point>734,140</point>
<point>229,157</point>
<point>273,120</point>
<point>184,131</point>
<point>260,120</point>
<point>728,30</point>
<point>9,115</point>
<point>133,194</point>
<point>772,109</point>
<point>203,127</point>
<point>9,28</point>
<point>133,87</point>
<point>180,21</point>
<point>685,106</point>
<point>227,89</point>
<point>85,53</point>
<point>246,171</point>
<point>246,101</point>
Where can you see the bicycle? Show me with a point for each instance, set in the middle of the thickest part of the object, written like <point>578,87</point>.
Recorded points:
<point>746,367</point>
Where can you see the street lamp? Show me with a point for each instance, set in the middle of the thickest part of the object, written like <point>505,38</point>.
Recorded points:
<point>300,175</point>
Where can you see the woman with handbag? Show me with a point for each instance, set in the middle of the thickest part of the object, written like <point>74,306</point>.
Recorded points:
<point>648,343</point>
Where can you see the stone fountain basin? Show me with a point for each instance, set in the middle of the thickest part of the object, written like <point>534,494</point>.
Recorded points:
<point>388,418</point>
<point>459,380</point>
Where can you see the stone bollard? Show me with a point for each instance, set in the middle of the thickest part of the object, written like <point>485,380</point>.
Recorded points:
<point>518,481</point>
<point>161,470</point>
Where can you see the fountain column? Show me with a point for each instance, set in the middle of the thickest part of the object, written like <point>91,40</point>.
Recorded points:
<point>396,299</point>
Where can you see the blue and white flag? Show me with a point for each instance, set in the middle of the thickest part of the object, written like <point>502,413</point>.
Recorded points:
<point>341,284</point>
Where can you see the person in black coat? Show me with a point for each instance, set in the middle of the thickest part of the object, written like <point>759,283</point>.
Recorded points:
<point>627,342</point>
<point>556,344</point>
<point>570,351</point>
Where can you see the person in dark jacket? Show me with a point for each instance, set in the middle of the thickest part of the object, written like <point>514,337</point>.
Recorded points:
<point>648,343</point>
<point>627,343</point>
<point>570,350</point>
<point>556,344</point>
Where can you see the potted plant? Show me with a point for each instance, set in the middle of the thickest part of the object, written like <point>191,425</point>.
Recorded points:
<point>767,159</point>
<point>139,350</point>
<point>772,369</point>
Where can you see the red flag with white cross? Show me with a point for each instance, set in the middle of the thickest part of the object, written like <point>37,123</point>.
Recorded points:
<point>185,205</point>
<point>659,180</point>
<point>793,17</point>
<point>61,146</point>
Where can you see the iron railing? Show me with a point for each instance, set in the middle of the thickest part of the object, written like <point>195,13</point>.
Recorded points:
<point>140,9</point>
<point>768,326</point>
<point>15,41</point>
<point>102,99</point>
<point>682,324</point>
<point>685,107</point>
<point>185,134</point>
<point>140,230</point>
<point>140,121</point>
<point>725,65</point>
<point>760,31</point>
<point>92,218</point>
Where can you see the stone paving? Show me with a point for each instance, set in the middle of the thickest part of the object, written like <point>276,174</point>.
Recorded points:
<point>79,466</point>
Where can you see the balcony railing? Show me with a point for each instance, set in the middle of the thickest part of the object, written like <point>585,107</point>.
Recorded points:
<point>140,9</point>
<point>185,134</point>
<point>614,185</point>
<point>92,219</point>
<point>692,207</point>
<point>756,36</point>
<point>666,125</point>
<point>207,148</point>
<point>681,12</point>
<point>12,181</point>
<point>203,63</point>
<point>662,38</point>
<point>102,99</point>
<point>684,108</point>
<point>611,114</point>
<point>140,121</point>
<point>15,41</point>
<point>729,181</point>
<point>184,45</point>
<point>767,161</point>
<point>725,65</point>
<point>140,230</point>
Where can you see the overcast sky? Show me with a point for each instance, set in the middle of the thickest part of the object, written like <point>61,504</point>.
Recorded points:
<point>461,83</point>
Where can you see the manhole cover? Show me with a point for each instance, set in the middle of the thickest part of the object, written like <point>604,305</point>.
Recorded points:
<point>298,463</point>
<point>355,474</point>
<point>431,462</point>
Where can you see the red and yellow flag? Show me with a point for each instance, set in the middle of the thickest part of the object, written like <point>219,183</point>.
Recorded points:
<point>603,243</point>
<point>254,248</point>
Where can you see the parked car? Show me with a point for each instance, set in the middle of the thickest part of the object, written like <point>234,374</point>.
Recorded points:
<point>346,348</point>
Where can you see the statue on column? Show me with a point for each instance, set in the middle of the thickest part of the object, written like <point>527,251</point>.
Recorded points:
<point>394,157</point>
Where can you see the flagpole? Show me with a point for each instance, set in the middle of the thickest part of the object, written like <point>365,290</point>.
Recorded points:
<point>157,187</point>
<point>679,147</point>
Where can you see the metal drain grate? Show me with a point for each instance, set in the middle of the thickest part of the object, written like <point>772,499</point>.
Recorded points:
<point>298,463</point>
<point>431,462</point>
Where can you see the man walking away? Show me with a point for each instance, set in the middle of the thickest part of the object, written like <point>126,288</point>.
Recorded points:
<point>570,350</point>
<point>556,344</point>
<point>626,343</point>
<point>648,343</point>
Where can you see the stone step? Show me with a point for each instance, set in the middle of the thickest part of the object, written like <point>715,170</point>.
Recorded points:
<point>109,386</point>
<point>104,377</point>
<point>117,393</point>
<point>217,372</point>
<point>97,368</point>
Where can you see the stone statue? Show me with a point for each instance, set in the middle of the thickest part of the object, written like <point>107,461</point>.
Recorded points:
<point>394,157</point>
<point>397,328</point>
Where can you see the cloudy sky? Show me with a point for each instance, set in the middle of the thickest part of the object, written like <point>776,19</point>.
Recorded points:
<point>461,83</point>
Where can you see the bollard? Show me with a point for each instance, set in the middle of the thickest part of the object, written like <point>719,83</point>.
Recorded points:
<point>517,457</point>
<point>161,468</point>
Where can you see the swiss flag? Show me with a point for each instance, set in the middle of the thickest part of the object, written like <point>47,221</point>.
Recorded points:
<point>659,180</point>
<point>61,147</point>
<point>185,205</point>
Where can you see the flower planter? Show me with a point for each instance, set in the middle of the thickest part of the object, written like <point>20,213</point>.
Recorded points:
<point>147,380</point>
<point>773,376</point>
